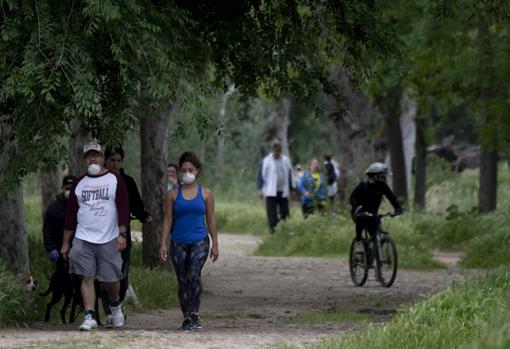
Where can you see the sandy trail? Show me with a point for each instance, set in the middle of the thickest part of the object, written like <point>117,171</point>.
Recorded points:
<point>251,302</point>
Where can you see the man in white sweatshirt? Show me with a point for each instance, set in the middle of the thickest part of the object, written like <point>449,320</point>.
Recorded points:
<point>275,185</point>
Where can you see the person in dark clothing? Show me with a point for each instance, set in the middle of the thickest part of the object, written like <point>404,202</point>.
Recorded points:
<point>114,159</point>
<point>53,227</point>
<point>367,196</point>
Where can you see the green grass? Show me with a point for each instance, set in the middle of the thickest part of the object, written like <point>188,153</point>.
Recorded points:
<point>338,316</point>
<point>331,235</point>
<point>467,315</point>
<point>234,217</point>
<point>155,288</point>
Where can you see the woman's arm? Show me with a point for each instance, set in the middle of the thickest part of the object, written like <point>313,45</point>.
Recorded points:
<point>211,223</point>
<point>167,224</point>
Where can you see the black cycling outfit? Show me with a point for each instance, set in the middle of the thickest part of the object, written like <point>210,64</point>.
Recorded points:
<point>369,195</point>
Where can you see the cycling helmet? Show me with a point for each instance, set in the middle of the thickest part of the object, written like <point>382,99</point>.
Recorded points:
<point>376,168</point>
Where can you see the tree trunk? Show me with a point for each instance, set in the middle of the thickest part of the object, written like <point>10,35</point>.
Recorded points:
<point>487,192</point>
<point>420,186</point>
<point>390,104</point>
<point>350,111</point>
<point>220,150</point>
<point>408,109</point>
<point>279,124</point>
<point>13,239</point>
<point>50,186</point>
<point>154,153</point>
<point>79,137</point>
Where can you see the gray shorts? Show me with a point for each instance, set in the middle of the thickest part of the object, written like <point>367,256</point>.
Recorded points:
<point>96,260</point>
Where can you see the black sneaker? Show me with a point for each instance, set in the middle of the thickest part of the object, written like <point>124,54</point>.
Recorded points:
<point>196,324</point>
<point>186,325</point>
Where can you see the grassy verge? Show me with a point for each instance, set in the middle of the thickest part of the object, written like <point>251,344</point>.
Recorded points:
<point>241,218</point>
<point>467,315</point>
<point>331,235</point>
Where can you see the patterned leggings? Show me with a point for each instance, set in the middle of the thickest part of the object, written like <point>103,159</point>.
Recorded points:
<point>188,260</point>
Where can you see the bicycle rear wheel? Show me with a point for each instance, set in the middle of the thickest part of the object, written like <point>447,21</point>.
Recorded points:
<point>358,264</point>
<point>387,262</point>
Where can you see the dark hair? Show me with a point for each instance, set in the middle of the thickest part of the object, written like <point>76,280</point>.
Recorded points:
<point>109,153</point>
<point>189,156</point>
<point>174,165</point>
<point>69,179</point>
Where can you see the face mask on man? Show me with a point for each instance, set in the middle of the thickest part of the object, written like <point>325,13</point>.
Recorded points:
<point>94,169</point>
<point>67,193</point>
<point>188,178</point>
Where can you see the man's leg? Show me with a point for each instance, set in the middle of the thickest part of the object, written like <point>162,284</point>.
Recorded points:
<point>272,216</point>
<point>113,288</point>
<point>283,206</point>
<point>82,262</point>
<point>109,271</point>
<point>88,293</point>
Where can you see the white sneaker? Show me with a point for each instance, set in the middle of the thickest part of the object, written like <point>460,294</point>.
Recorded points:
<point>117,315</point>
<point>109,320</point>
<point>88,323</point>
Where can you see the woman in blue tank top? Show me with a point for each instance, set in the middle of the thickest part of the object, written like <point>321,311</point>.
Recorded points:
<point>188,208</point>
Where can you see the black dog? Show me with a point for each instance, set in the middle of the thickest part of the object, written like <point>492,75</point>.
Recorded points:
<point>62,284</point>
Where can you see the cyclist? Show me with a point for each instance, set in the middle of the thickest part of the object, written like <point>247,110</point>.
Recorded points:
<point>366,199</point>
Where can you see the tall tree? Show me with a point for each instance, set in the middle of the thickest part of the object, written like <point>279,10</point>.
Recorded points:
<point>154,154</point>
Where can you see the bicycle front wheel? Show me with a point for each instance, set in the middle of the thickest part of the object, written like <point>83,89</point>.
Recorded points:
<point>387,262</point>
<point>358,263</point>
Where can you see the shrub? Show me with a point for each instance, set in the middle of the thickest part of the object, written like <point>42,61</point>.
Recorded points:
<point>15,302</point>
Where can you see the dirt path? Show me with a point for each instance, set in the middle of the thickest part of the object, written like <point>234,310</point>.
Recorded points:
<point>253,302</point>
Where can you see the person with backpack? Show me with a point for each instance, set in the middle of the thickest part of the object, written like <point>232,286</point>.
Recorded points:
<point>367,197</point>
<point>332,171</point>
<point>313,189</point>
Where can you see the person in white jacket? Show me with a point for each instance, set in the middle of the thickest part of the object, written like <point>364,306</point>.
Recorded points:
<point>275,184</point>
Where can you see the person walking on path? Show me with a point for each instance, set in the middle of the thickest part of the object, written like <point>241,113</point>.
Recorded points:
<point>53,226</point>
<point>313,189</point>
<point>188,207</point>
<point>97,211</point>
<point>172,179</point>
<point>114,162</point>
<point>275,185</point>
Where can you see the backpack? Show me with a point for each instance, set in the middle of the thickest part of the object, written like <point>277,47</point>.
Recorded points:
<point>330,173</point>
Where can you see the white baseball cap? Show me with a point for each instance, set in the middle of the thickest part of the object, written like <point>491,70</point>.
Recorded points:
<point>92,146</point>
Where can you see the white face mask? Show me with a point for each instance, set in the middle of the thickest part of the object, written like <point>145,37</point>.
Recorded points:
<point>188,178</point>
<point>67,193</point>
<point>94,169</point>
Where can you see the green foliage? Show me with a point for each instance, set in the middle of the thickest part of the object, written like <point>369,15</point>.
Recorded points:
<point>15,302</point>
<point>60,61</point>
<point>463,316</point>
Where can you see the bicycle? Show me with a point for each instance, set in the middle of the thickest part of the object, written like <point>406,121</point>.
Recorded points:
<point>384,252</point>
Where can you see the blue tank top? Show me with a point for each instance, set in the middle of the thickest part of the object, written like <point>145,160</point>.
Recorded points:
<point>189,218</point>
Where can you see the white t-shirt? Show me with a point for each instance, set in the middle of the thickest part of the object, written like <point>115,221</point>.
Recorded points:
<point>96,207</point>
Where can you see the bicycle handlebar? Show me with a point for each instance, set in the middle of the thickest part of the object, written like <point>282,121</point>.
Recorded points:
<point>387,214</point>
